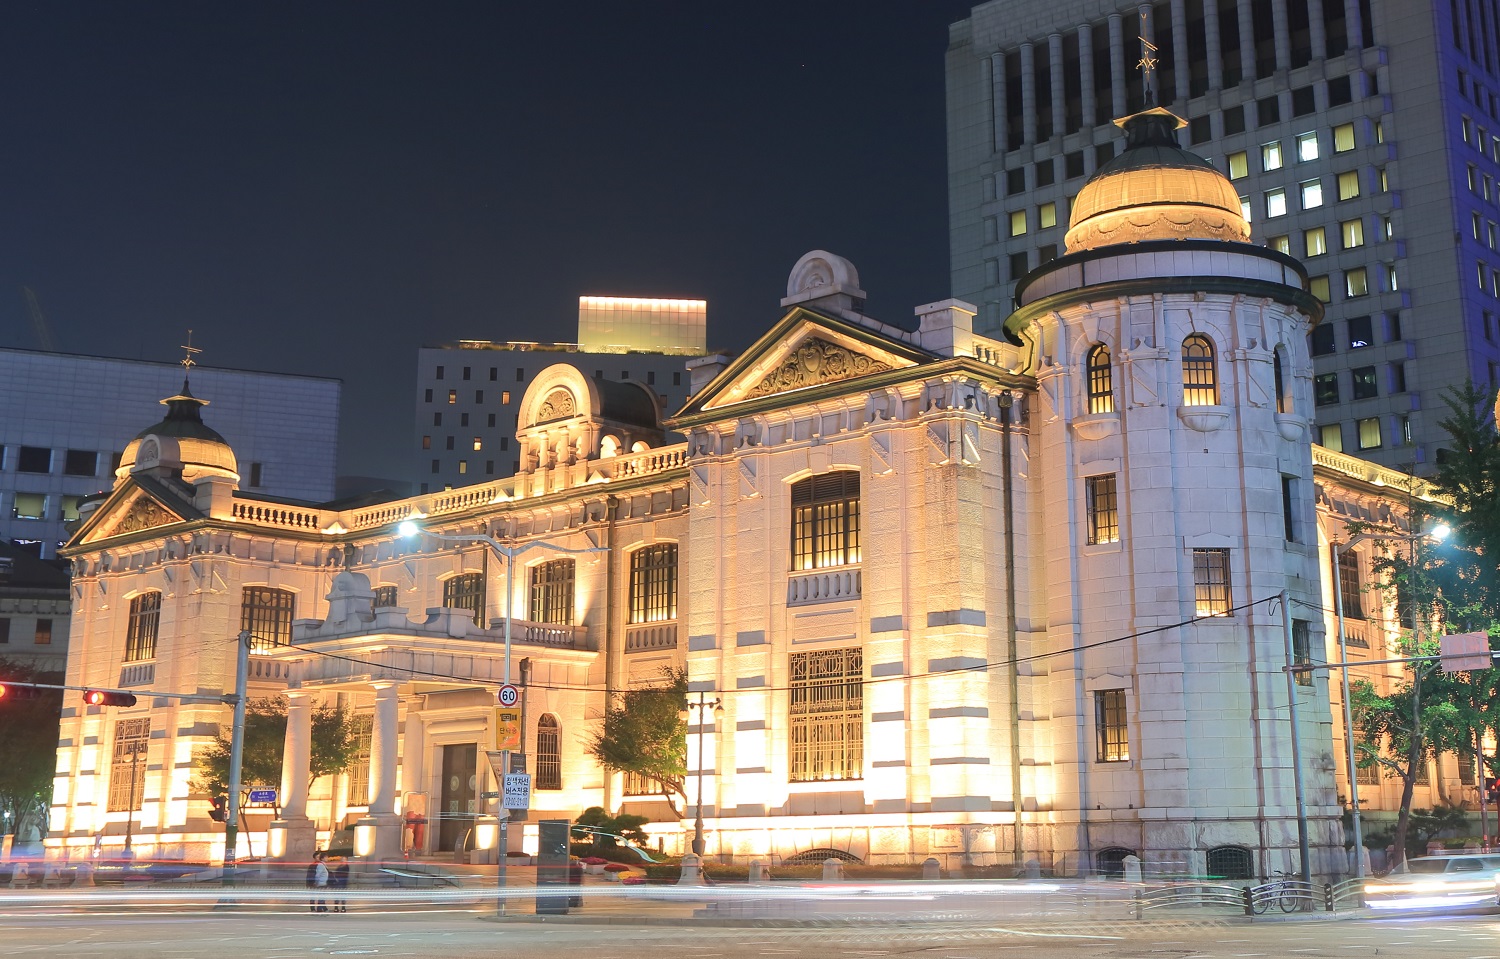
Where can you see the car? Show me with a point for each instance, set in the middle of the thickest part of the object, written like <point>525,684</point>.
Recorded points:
<point>1458,879</point>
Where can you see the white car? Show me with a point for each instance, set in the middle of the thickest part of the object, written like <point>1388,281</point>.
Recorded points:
<point>1459,879</point>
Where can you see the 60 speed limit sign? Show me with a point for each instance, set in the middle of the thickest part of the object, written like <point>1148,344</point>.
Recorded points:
<point>509,695</point>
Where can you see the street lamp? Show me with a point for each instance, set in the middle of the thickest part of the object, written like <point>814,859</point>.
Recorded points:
<point>407,528</point>
<point>1438,533</point>
<point>703,705</point>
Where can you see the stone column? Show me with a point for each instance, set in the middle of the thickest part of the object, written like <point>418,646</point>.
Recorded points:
<point>1282,30</point>
<point>1354,27</point>
<point>294,836</point>
<point>1086,74</point>
<point>1247,39</point>
<point>1059,89</point>
<point>1000,102</point>
<point>1180,69</point>
<point>1211,37</point>
<point>378,835</point>
<point>1316,35</point>
<point>1028,93</point>
<point>1117,63</point>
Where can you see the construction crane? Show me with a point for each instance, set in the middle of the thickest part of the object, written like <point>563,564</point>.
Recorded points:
<point>38,321</point>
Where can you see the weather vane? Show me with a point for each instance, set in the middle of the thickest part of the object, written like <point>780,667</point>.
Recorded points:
<point>1147,63</point>
<point>187,361</point>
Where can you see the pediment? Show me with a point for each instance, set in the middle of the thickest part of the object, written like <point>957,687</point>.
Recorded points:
<point>807,355</point>
<point>132,509</point>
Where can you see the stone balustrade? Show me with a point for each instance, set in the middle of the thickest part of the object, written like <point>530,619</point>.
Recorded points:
<point>645,636</point>
<point>824,586</point>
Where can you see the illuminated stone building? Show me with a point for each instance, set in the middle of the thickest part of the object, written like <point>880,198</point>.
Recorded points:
<point>1001,599</point>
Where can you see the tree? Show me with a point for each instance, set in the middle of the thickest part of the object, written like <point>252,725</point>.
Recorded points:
<point>28,747</point>
<point>605,830</point>
<point>643,732</point>
<point>335,743</point>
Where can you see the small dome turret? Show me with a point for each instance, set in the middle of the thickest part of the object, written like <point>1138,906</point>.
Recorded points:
<point>181,444</point>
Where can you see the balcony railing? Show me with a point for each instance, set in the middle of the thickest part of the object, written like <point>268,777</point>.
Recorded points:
<point>646,636</point>
<point>137,674</point>
<point>824,586</point>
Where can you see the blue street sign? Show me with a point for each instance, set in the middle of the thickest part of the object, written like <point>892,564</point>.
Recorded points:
<point>263,795</point>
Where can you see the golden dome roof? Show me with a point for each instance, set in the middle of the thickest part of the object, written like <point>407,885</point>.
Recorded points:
<point>1155,190</point>
<point>181,442</point>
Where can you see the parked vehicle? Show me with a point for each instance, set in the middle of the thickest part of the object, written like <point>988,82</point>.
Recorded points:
<point>1437,881</point>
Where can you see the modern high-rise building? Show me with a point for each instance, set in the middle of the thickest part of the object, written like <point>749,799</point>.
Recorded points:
<point>1362,137</point>
<point>469,392</point>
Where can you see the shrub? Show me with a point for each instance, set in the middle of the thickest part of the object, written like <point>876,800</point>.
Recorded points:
<point>617,867</point>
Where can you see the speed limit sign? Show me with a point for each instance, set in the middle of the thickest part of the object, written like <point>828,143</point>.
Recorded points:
<point>509,695</point>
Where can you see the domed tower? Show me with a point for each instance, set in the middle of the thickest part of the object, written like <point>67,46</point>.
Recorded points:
<point>1171,478</point>
<point>184,448</point>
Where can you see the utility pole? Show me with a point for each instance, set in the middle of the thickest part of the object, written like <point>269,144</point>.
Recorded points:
<point>236,754</point>
<point>1291,693</point>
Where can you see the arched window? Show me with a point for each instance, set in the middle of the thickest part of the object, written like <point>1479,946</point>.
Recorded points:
<point>1110,863</point>
<point>653,584</point>
<point>140,634</point>
<point>1200,383</point>
<point>466,592</point>
<point>548,753</point>
<point>552,592</point>
<point>1231,862</point>
<point>267,614</point>
<point>1278,372</point>
<point>1101,381</point>
<point>825,520</point>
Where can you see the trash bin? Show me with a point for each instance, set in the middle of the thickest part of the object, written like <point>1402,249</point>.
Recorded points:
<point>575,878</point>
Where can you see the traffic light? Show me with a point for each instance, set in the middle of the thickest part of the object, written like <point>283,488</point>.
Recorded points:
<point>98,697</point>
<point>220,810</point>
<point>10,691</point>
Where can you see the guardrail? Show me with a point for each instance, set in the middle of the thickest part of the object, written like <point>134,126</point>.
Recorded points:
<point>1287,894</point>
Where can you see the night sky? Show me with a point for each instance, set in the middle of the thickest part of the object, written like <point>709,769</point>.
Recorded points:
<point>323,187</point>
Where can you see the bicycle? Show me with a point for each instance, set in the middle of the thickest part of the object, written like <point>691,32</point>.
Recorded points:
<point>1282,890</point>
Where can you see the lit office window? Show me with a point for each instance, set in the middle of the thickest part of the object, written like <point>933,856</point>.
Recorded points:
<point>1112,739</point>
<point>1211,581</point>
<point>826,520</point>
<point>1103,509</point>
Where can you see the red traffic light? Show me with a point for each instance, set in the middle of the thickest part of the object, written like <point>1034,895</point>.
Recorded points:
<point>98,697</point>
<point>219,808</point>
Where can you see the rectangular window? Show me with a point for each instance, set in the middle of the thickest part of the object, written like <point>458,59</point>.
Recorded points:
<point>1351,590</point>
<point>1289,508</point>
<point>427,395</point>
<point>267,615</point>
<point>437,419</point>
<point>4,631</point>
<point>43,635</point>
<point>1398,378</point>
<point>29,506</point>
<point>1018,267</point>
<point>362,729</point>
<point>80,463</point>
<point>552,592</point>
<point>1356,282</point>
<point>479,397</point>
<point>385,597</point>
<point>427,442</point>
<point>466,592</point>
<point>1018,223</point>
<point>1348,184</point>
<point>1267,112</point>
<point>1015,181</point>
<point>1363,379</point>
<point>1361,333</point>
<point>494,374</point>
<point>1326,389</point>
<point>1270,156</point>
<point>1211,581</point>
<point>1238,164</point>
<point>825,521</point>
<point>478,442</point>
<point>1369,433</point>
<point>1312,194</point>
<point>1200,130</point>
<point>505,397</point>
<point>142,627</point>
<point>1275,202</point>
<point>1307,147</point>
<point>463,467</point>
<point>1320,340</point>
<point>826,718</point>
<point>653,584</point>
<point>1046,215</point>
<point>127,765</point>
<point>1103,509</point>
<point>1302,651</point>
<point>1315,241</point>
<point>1343,138</point>
<point>34,459</point>
<point>440,372</point>
<point>1281,244</point>
<point>1111,736</point>
<point>452,397</point>
<point>1393,327</point>
<point>1245,209</point>
<point>1234,120</point>
<point>450,441</point>
<point>466,372</point>
<point>1353,232</point>
<point>1046,173</point>
<point>1332,437</point>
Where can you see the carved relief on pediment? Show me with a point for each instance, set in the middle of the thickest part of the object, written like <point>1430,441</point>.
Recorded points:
<point>816,361</point>
<point>558,405</point>
<point>142,513</point>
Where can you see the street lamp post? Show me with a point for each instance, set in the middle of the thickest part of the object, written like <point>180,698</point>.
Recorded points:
<point>508,554</point>
<point>704,705</point>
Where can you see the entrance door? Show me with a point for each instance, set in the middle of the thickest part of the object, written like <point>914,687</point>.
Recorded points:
<point>457,804</point>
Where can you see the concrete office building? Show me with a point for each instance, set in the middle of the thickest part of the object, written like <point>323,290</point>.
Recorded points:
<point>1362,136</point>
<point>66,417</point>
<point>469,392</point>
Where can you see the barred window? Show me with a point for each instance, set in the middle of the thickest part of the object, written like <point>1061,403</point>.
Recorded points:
<point>548,753</point>
<point>1200,383</point>
<point>466,592</point>
<point>827,716</point>
<point>1231,862</point>
<point>266,614</point>
<point>552,592</point>
<point>1103,509</point>
<point>653,584</point>
<point>1302,650</point>
<point>385,597</point>
<point>1101,380</point>
<point>141,632</point>
<point>825,520</point>
<point>1112,739</point>
<point>127,766</point>
<point>1367,775</point>
<point>1465,768</point>
<point>640,784</point>
<point>1351,590</point>
<point>358,770</point>
<point>1211,581</point>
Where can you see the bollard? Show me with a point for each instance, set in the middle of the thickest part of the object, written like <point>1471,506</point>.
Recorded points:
<point>1132,869</point>
<point>21,877</point>
<point>833,870</point>
<point>931,869</point>
<point>692,871</point>
<point>1249,898</point>
<point>1033,869</point>
<point>760,870</point>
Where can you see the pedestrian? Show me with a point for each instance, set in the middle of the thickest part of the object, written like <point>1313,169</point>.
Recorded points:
<point>338,881</point>
<point>317,878</point>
